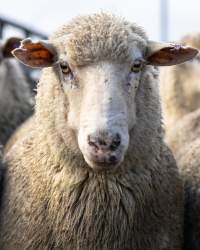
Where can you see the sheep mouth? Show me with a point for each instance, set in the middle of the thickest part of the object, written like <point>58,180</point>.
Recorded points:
<point>104,163</point>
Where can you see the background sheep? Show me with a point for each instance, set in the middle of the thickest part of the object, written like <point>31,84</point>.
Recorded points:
<point>180,91</point>
<point>16,103</point>
<point>89,175</point>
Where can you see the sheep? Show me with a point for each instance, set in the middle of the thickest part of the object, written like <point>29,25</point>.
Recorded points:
<point>180,93</point>
<point>16,102</point>
<point>92,171</point>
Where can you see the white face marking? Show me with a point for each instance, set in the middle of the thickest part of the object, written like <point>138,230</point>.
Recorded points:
<point>102,102</point>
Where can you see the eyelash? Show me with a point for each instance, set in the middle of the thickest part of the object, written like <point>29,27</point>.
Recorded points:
<point>137,66</point>
<point>65,69</point>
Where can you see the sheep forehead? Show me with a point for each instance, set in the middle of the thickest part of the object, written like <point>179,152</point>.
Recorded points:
<point>99,37</point>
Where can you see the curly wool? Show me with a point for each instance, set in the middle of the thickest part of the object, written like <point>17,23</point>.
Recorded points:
<point>98,37</point>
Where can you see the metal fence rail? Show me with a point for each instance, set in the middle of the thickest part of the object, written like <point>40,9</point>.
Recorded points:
<point>4,23</point>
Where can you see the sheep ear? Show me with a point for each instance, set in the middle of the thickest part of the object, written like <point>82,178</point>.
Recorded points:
<point>11,44</point>
<point>166,54</point>
<point>38,54</point>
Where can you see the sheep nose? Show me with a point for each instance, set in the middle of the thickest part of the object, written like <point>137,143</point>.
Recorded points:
<point>104,142</point>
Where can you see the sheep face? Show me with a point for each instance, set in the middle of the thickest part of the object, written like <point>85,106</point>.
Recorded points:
<point>99,68</point>
<point>102,109</point>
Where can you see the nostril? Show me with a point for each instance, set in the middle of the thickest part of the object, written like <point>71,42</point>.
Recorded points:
<point>112,159</point>
<point>103,143</point>
<point>116,142</point>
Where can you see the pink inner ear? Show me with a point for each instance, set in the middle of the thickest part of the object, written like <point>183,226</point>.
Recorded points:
<point>171,55</point>
<point>34,54</point>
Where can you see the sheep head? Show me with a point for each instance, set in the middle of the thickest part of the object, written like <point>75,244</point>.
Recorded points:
<point>100,72</point>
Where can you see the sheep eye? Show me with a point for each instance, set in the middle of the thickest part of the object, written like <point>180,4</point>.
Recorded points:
<point>65,69</point>
<point>137,66</point>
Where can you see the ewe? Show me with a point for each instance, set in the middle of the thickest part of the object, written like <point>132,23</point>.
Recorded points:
<point>94,173</point>
<point>180,91</point>
<point>15,96</point>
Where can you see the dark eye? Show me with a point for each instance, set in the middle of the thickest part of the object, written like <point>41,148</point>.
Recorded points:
<point>65,69</point>
<point>137,66</point>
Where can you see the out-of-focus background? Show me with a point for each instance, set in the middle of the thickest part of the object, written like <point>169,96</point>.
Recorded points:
<point>162,19</point>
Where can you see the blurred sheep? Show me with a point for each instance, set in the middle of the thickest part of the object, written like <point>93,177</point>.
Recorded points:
<point>180,92</point>
<point>16,101</point>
